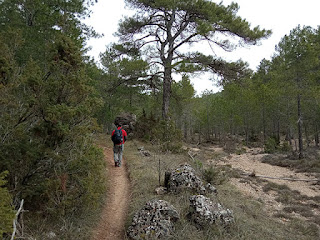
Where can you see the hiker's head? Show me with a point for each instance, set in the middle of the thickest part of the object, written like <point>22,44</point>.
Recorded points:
<point>118,124</point>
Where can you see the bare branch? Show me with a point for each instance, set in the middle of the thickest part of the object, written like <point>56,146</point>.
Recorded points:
<point>185,41</point>
<point>15,221</point>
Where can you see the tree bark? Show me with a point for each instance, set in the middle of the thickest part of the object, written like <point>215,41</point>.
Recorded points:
<point>278,131</point>
<point>166,91</point>
<point>316,136</point>
<point>264,125</point>
<point>300,127</point>
<point>166,57</point>
<point>307,135</point>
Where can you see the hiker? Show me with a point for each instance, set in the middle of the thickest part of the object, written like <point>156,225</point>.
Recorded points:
<point>118,136</point>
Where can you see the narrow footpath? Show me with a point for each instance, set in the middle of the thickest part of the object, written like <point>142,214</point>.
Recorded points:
<point>112,223</point>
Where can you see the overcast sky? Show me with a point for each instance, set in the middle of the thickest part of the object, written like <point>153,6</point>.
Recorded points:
<point>280,16</point>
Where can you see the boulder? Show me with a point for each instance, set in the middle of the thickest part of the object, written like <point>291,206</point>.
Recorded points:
<point>127,120</point>
<point>154,221</point>
<point>203,212</point>
<point>184,177</point>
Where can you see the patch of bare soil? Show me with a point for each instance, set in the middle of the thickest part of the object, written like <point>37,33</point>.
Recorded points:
<point>112,223</point>
<point>250,163</point>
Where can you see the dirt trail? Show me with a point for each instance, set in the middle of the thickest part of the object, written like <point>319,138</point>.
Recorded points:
<point>111,226</point>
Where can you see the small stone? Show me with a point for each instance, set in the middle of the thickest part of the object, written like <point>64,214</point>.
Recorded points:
<point>51,235</point>
<point>210,188</point>
<point>145,153</point>
<point>161,190</point>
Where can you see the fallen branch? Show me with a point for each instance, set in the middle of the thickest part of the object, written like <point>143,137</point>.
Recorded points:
<point>190,156</point>
<point>15,221</point>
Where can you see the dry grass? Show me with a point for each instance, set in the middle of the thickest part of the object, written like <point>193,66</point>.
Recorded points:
<point>310,164</point>
<point>250,220</point>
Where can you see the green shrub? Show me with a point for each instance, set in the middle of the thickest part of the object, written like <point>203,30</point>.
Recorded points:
<point>240,151</point>
<point>164,133</point>
<point>286,147</point>
<point>198,164</point>
<point>6,209</point>
<point>215,176</point>
<point>270,145</point>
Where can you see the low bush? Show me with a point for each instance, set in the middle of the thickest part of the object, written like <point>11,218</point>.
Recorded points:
<point>160,132</point>
<point>6,209</point>
<point>270,145</point>
<point>216,175</point>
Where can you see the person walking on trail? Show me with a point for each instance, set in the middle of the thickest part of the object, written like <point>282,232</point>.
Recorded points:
<point>118,136</point>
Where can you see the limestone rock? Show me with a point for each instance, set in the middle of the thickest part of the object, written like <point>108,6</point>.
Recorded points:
<point>210,188</point>
<point>145,153</point>
<point>51,235</point>
<point>154,221</point>
<point>127,120</point>
<point>184,177</point>
<point>203,212</point>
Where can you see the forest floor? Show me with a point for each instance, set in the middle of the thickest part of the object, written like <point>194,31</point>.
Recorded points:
<point>113,216</point>
<point>284,199</point>
<point>263,182</point>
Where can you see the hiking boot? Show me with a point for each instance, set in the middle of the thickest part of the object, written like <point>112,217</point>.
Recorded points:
<point>116,164</point>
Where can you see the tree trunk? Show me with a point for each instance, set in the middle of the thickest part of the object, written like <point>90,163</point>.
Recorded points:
<point>300,127</point>
<point>166,92</point>
<point>316,136</point>
<point>307,135</point>
<point>246,131</point>
<point>199,133</point>
<point>289,136</point>
<point>167,64</point>
<point>264,126</point>
<point>278,131</point>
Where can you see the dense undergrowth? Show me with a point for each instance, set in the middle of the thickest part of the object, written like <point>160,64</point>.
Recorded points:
<point>71,213</point>
<point>251,222</point>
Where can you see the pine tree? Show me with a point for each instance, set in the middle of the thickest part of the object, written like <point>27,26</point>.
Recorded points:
<point>161,28</point>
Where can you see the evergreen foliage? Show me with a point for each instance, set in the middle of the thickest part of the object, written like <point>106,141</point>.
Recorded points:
<point>277,103</point>
<point>6,210</point>
<point>163,133</point>
<point>48,101</point>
